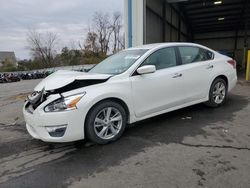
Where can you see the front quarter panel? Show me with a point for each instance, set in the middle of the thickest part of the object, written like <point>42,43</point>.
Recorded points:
<point>120,89</point>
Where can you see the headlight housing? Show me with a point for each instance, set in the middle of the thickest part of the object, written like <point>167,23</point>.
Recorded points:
<point>64,103</point>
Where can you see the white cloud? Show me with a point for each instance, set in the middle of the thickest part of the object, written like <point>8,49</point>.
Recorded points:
<point>67,18</point>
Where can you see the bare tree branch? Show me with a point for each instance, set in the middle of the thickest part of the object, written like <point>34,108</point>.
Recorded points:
<point>42,46</point>
<point>103,29</point>
<point>116,31</point>
<point>105,35</point>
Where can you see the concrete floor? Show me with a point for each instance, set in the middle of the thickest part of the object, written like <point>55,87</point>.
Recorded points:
<point>193,147</point>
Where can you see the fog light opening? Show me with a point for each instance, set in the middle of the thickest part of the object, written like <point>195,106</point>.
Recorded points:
<point>56,131</point>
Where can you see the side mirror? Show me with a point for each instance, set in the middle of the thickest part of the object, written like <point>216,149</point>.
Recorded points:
<point>146,69</point>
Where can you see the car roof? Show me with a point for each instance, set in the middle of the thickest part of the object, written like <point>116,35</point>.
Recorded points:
<point>166,44</point>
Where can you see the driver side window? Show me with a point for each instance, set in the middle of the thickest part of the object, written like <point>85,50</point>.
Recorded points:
<point>163,58</point>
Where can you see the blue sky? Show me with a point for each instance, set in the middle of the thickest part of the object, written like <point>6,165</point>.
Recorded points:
<point>68,18</point>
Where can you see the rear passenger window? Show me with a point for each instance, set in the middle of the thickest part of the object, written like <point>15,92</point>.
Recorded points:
<point>191,54</point>
<point>163,58</point>
<point>209,54</point>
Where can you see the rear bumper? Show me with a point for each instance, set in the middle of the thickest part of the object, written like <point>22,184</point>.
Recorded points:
<point>232,81</point>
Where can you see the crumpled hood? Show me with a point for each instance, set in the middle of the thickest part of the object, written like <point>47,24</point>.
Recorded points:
<point>62,78</point>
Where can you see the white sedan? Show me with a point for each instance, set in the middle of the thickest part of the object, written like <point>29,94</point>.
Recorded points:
<point>130,86</point>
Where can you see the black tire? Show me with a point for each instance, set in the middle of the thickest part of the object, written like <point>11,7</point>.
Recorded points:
<point>211,102</point>
<point>90,121</point>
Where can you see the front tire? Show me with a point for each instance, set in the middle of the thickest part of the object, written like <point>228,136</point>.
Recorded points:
<point>105,122</point>
<point>217,93</point>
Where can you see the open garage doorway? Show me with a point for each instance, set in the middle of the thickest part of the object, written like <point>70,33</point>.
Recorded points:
<point>222,25</point>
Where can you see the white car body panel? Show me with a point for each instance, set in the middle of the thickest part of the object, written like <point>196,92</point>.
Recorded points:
<point>64,77</point>
<point>144,95</point>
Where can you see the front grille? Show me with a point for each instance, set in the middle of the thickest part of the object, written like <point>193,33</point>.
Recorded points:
<point>36,99</point>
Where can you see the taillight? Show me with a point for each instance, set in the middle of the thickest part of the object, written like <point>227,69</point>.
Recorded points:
<point>232,62</point>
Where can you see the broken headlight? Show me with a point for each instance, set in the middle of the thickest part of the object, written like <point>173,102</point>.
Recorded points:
<point>65,103</point>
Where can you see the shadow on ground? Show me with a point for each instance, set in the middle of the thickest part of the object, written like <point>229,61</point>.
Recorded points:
<point>84,161</point>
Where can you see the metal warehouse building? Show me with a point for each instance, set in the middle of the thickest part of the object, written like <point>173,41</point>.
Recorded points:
<point>219,24</point>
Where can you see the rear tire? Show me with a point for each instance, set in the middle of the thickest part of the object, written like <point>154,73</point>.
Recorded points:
<point>217,93</point>
<point>105,122</point>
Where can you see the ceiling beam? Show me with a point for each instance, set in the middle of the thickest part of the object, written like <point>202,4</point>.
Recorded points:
<point>219,26</point>
<point>193,8</point>
<point>210,12</point>
<point>215,19</point>
<point>219,37</point>
<point>214,30</point>
<point>224,24</point>
<point>215,15</point>
<point>202,2</point>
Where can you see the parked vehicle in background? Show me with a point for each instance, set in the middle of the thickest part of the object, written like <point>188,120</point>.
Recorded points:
<point>130,86</point>
<point>33,75</point>
<point>9,77</point>
<point>13,77</point>
<point>17,76</point>
<point>2,78</point>
<point>39,74</point>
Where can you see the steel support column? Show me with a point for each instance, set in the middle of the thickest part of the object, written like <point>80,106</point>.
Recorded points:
<point>129,23</point>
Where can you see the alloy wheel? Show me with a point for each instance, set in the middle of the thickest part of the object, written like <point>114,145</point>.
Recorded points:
<point>219,92</point>
<point>108,123</point>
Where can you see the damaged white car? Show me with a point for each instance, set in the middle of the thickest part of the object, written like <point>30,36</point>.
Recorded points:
<point>133,85</point>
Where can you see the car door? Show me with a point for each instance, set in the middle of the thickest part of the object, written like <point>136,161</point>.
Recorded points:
<point>160,90</point>
<point>196,69</point>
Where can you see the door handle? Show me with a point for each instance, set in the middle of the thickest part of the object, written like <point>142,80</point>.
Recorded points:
<point>177,75</point>
<point>210,66</point>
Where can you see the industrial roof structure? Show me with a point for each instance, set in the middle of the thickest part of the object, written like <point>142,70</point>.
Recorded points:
<point>211,15</point>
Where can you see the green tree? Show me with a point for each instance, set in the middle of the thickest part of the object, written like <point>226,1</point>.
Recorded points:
<point>7,66</point>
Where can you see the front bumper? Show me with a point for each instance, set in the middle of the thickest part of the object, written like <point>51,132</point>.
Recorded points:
<point>38,122</point>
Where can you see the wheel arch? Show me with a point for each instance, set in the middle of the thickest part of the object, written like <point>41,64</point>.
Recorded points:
<point>114,99</point>
<point>212,103</point>
<point>224,77</point>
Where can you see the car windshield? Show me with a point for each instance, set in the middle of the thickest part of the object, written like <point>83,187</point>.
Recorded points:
<point>118,63</point>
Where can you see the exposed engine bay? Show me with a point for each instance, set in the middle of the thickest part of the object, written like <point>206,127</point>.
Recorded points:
<point>38,97</point>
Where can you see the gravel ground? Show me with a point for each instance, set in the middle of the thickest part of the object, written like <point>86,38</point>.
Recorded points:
<point>193,147</point>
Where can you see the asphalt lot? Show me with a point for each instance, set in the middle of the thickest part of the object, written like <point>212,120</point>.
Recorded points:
<point>193,147</point>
